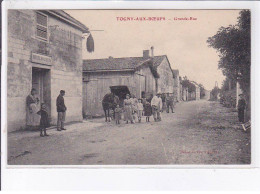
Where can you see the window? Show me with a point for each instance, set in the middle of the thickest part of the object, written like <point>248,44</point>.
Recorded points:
<point>41,26</point>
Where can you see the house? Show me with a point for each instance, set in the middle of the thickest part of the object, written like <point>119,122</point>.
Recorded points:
<point>141,76</point>
<point>45,53</point>
<point>176,85</point>
<point>196,93</point>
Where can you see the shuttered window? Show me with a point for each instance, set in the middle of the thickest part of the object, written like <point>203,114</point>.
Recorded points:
<point>41,26</point>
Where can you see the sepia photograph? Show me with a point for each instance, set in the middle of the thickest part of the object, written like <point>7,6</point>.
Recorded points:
<point>128,87</point>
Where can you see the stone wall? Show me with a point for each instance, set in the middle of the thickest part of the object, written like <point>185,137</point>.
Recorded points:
<point>176,88</point>
<point>166,81</point>
<point>64,47</point>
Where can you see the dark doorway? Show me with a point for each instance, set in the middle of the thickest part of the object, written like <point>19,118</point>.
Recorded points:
<point>121,92</point>
<point>42,83</point>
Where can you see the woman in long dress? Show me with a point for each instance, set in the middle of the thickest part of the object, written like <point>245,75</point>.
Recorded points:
<point>32,107</point>
<point>128,109</point>
<point>134,102</point>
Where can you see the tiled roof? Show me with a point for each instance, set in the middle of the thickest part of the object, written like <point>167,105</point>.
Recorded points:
<point>158,60</point>
<point>127,63</point>
<point>68,18</point>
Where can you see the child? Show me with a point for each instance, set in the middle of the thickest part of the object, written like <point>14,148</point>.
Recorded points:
<point>140,109</point>
<point>118,114</point>
<point>44,122</point>
<point>147,111</point>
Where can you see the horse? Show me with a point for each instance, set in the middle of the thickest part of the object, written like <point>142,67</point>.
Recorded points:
<point>110,101</point>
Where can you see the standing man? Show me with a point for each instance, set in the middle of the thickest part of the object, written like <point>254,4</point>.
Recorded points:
<point>156,107</point>
<point>241,108</point>
<point>169,103</point>
<point>61,109</point>
<point>163,97</point>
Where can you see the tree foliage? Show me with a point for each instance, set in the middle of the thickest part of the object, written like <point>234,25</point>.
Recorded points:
<point>188,84</point>
<point>233,44</point>
<point>202,91</point>
<point>228,84</point>
<point>214,93</point>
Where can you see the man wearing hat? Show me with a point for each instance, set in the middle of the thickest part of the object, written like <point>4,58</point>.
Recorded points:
<point>156,107</point>
<point>241,108</point>
<point>61,109</point>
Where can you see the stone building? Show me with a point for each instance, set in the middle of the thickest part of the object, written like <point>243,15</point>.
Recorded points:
<point>165,83</point>
<point>141,76</point>
<point>176,85</point>
<point>45,53</point>
<point>196,93</point>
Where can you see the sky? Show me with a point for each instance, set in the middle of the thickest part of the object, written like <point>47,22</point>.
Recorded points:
<point>183,41</point>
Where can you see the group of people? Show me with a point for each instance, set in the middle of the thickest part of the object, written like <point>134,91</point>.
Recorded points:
<point>37,115</point>
<point>134,109</point>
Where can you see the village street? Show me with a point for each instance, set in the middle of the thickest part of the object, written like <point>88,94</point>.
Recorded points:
<point>199,132</point>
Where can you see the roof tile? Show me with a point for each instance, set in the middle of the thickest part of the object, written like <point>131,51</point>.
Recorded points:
<point>126,63</point>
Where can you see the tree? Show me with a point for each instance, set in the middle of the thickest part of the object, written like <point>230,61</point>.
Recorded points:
<point>202,91</point>
<point>187,84</point>
<point>214,93</point>
<point>228,84</point>
<point>233,44</point>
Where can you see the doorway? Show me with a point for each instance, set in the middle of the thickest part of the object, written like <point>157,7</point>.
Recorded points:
<point>42,83</point>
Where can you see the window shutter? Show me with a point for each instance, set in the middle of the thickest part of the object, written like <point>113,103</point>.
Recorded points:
<point>42,28</point>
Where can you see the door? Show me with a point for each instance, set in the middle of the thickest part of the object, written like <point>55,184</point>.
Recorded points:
<point>37,82</point>
<point>142,85</point>
<point>41,82</point>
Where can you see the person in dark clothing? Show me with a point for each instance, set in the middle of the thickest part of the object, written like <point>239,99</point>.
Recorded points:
<point>44,122</point>
<point>150,98</point>
<point>163,97</point>
<point>241,108</point>
<point>147,111</point>
<point>169,103</point>
<point>61,109</point>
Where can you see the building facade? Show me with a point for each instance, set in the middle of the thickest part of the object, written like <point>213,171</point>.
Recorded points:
<point>134,75</point>
<point>176,85</point>
<point>165,83</point>
<point>45,53</point>
<point>142,76</point>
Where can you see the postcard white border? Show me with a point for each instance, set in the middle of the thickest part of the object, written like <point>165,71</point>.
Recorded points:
<point>25,177</point>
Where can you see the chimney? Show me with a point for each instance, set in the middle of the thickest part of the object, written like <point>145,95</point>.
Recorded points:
<point>152,49</point>
<point>146,54</point>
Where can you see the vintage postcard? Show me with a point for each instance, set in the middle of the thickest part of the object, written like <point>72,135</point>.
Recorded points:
<point>128,87</point>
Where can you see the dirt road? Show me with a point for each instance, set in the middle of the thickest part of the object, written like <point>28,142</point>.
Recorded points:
<point>199,132</point>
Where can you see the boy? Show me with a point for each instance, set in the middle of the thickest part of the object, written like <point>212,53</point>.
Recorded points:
<point>140,109</point>
<point>147,111</point>
<point>117,114</point>
<point>44,122</point>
